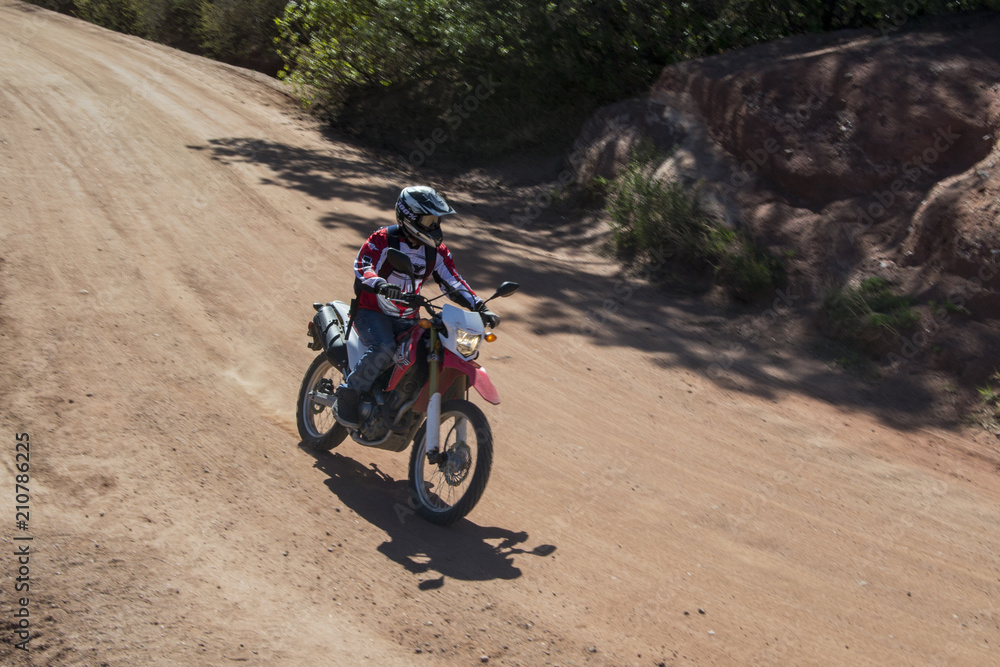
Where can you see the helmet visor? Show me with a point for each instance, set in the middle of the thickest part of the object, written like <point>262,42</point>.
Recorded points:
<point>428,222</point>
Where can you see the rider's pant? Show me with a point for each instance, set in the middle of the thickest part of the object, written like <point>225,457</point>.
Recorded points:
<point>378,333</point>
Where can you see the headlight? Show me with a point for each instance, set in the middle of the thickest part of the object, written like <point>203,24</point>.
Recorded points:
<point>467,343</point>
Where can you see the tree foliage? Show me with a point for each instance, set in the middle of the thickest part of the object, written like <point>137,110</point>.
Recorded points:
<point>236,31</point>
<point>397,71</point>
<point>394,70</point>
<point>412,62</point>
<point>241,31</point>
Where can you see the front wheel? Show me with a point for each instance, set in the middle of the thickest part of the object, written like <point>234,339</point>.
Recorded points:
<point>316,409</point>
<point>443,493</point>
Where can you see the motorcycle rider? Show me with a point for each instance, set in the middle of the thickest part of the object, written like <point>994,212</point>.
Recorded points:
<point>382,312</point>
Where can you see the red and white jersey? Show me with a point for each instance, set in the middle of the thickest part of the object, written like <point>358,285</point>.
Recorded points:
<point>372,263</point>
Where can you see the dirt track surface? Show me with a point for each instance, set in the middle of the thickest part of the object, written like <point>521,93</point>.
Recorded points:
<point>166,222</point>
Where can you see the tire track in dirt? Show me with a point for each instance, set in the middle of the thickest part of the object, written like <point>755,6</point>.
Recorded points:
<point>180,523</point>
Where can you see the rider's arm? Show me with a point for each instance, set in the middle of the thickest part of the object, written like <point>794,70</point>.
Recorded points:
<point>370,259</point>
<point>445,274</point>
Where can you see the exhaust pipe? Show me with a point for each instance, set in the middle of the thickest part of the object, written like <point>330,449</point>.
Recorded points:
<point>330,334</point>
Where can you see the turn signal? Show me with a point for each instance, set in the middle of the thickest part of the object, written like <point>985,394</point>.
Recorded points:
<point>424,323</point>
<point>490,337</point>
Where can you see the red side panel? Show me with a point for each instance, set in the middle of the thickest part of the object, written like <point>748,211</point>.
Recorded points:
<point>410,353</point>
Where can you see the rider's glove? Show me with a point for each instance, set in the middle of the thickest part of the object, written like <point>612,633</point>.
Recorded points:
<point>388,290</point>
<point>490,318</point>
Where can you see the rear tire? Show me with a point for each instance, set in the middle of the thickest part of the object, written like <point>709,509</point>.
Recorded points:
<point>445,493</point>
<point>317,423</point>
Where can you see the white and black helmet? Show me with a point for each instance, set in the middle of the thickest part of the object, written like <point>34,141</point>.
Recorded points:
<point>419,210</point>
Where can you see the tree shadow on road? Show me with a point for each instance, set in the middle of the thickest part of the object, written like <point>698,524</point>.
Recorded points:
<point>464,550</point>
<point>325,175</point>
<point>577,301</point>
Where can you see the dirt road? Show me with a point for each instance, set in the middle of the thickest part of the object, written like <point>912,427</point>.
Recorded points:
<point>166,222</point>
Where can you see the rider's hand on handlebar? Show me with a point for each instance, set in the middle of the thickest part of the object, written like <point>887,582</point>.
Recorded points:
<point>490,318</point>
<point>389,291</point>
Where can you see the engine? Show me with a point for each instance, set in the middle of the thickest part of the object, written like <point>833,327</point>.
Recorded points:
<point>389,410</point>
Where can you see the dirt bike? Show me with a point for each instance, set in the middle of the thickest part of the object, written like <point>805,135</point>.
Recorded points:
<point>421,398</point>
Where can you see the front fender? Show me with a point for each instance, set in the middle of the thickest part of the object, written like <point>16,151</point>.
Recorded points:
<point>477,377</point>
<point>453,368</point>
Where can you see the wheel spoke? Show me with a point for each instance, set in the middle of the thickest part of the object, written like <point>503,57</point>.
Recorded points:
<point>443,486</point>
<point>318,408</point>
<point>315,415</point>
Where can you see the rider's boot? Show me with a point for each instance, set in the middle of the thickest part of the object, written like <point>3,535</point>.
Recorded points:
<point>347,406</point>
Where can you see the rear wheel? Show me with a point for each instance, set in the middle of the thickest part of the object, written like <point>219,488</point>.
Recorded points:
<point>445,492</point>
<point>316,410</point>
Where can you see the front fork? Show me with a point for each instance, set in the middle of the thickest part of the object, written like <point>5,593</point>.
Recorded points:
<point>433,430</point>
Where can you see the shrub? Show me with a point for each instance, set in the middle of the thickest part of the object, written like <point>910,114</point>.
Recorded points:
<point>392,69</point>
<point>653,220</point>
<point>396,69</point>
<point>121,15</point>
<point>988,395</point>
<point>242,31</point>
<point>171,22</point>
<point>743,266</point>
<point>870,311</point>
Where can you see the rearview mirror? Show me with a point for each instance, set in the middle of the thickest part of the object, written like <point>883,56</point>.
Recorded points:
<point>399,261</point>
<point>506,288</point>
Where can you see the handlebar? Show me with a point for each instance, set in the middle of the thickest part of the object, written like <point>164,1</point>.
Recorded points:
<point>418,301</point>
<point>411,299</point>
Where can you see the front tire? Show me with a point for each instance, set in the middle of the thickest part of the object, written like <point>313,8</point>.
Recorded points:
<point>444,493</point>
<point>317,422</point>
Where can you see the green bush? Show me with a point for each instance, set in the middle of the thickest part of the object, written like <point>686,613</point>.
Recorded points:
<point>393,70</point>
<point>653,220</point>
<point>748,270</point>
<point>171,22</point>
<point>242,31</point>
<point>870,311</point>
<point>396,70</point>
<point>121,15</point>
<point>715,27</point>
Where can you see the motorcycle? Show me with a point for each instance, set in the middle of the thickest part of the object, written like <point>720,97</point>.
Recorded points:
<point>422,397</point>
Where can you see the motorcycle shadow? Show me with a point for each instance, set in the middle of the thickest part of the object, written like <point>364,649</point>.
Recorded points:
<point>464,550</point>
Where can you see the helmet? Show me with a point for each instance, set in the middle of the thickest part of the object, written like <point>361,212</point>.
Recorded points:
<point>419,210</point>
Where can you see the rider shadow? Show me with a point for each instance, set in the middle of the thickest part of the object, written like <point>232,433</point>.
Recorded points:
<point>463,550</point>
